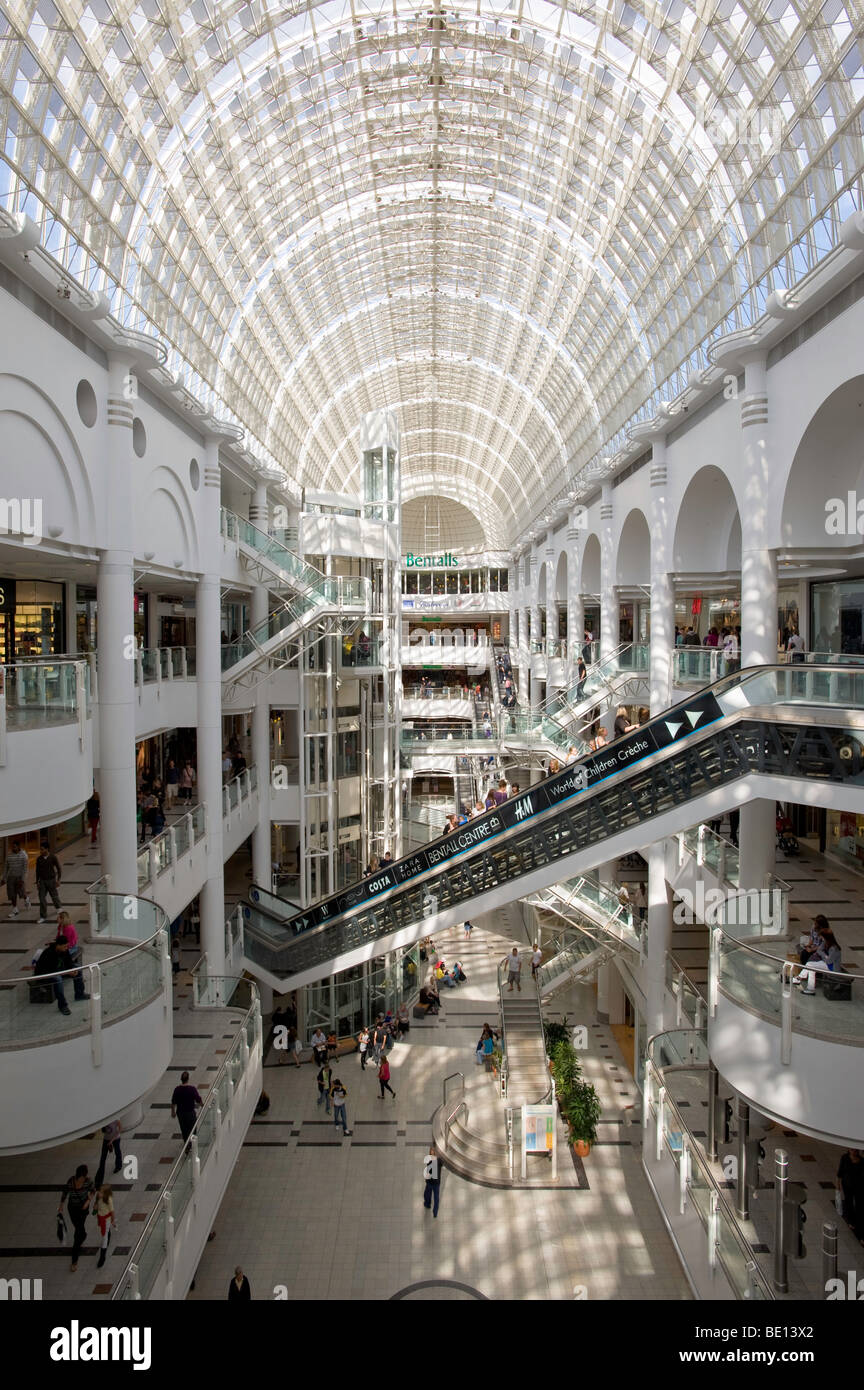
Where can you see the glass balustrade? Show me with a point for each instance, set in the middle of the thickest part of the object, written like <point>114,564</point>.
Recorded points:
<point>39,692</point>
<point>756,976</point>
<point>685,1050</point>
<point>126,978</point>
<point>146,1260</point>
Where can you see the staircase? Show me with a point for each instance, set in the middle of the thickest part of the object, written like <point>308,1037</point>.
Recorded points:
<point>522,1031</point>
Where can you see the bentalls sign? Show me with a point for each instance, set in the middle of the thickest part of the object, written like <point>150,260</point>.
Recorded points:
<point>443,562</point>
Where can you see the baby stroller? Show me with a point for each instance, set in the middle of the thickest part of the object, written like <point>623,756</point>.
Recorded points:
<point>786,841</point>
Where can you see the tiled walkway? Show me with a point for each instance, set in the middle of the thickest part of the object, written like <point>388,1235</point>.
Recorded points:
<point>309,1214</point>
<point>30,1184</point>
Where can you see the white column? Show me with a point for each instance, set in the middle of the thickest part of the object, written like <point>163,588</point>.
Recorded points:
<point>209,681</point>
<point>758,597</point>
<point>261,841</point>
<point>575,603</point>
<point>608,592</point>
<point>758,560</point>
<point>116,647</point>
<point>659,937</point>
<point>662,586</point>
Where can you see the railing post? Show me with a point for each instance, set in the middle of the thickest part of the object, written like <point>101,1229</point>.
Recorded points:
<point>172,844</point>
<point>158,664</point>
<point>139,668</point>
<point>700,846</point>
<point>829,1255</point>
<point>661,1122</point>
<point>711,1147</point>
<point>80,702</point>
<point>683,1174</point>
<point>167,1207</point>
<point>152,863</point>
<point>190,828</point>
<point>742,1204</point>
<point>196,1160</point>
<point>781,1176</point>
<point>713,1229</point>
<point>184,670</point>
<point>786,1013</point>
<point>95,981</point>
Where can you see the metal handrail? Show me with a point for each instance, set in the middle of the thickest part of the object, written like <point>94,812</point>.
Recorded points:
<point>192,1141</point>
<point>718,1194</point>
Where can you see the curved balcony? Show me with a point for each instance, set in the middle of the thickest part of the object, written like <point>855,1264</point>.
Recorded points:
<point>794,1056</point>
<point>116,1044</point>
<point>51,697</point>
<point>716,1252</point>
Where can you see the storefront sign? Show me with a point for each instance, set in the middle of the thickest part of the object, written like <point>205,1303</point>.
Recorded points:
<point>7,595</point>
<point>426,562</point>
<point>456,602</point>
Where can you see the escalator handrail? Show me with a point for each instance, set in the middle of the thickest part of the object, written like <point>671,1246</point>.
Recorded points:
<point>412,872</point>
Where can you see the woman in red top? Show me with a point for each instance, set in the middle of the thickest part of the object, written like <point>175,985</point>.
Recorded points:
<point>384,1078</point>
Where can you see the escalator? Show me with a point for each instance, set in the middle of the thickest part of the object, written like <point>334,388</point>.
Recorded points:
<point>781,733</point>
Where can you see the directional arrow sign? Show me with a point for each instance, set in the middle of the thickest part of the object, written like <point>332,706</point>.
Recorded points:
<point>673,728</point>
<point>694,715</point>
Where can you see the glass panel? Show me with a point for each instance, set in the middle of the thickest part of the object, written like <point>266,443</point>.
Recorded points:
<point>150,1255</point>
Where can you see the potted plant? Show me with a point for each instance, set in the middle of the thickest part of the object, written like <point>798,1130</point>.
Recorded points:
<point>581,1110</point>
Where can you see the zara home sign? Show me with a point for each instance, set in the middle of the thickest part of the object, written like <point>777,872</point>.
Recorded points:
<point>445,562</point>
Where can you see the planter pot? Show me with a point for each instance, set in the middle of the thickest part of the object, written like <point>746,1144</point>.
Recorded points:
<point>581,1148</point>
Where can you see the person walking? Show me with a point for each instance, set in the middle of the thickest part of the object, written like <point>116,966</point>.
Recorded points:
<point>103,1209</point>
<point>432,1174</point>
<point>319,1047</point>
<point>469,927</point>
<point>184,1102</point>
<point>94,811</point>
<point>15,876</point>
<point>536,960</point>
<point>379,1040</point>
<point>339,1095</point>
<point>172,783</point>
<point>363,1046</point>
<point>48,876</point>
<point>187,780</point>
<point>514,970</point>
<point>325,1081</point>
<point>384,1078</point>
<point>110,1145</point>
<point>239,1290</point>
<point>295,1043</point>
<point>77,1194</point>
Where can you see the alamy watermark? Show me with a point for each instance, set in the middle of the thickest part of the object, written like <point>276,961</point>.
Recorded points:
<point>717,907</point>
<point>844,516</point>
<point>22,516</point>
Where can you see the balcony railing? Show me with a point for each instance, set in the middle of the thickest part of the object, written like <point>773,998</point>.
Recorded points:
<point>118,982</point>
<point>44,691</point>
<point>156,1247</point>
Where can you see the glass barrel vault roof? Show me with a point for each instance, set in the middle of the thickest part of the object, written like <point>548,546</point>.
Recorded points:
<point>517,224</point>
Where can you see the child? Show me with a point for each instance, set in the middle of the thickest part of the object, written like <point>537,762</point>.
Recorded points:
<point>104,1211</point>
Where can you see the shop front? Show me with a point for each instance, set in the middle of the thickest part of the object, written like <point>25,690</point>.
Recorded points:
<point>837,617</point>
<point>845,839</point>
<point>32,619</point>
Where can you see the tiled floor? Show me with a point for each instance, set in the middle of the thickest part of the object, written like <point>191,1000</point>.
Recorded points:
<point>30,1184</point>
<point>311,1215</point>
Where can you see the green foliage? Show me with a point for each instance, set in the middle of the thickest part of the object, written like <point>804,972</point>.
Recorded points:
<point>555,1033</point>
<point>579,1102</point>
<point>581,1112</point>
